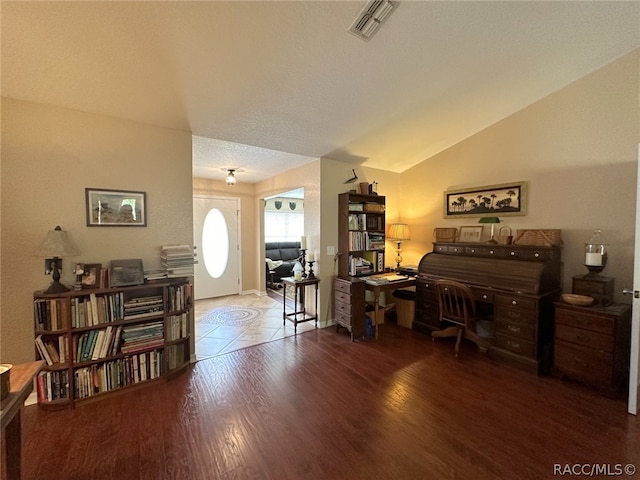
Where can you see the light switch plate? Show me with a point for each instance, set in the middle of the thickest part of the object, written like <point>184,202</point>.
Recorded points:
<point>331,250</point>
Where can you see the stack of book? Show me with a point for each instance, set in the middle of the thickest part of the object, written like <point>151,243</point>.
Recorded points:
<point>178,260</point>
<point>141,307</point>
<point>137,338</point>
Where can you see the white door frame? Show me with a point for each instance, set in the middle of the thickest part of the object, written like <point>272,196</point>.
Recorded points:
<point>634,357</point>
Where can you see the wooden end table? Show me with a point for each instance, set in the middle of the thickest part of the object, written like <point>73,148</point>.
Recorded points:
<point>21,385</point>
<point>299,308</point>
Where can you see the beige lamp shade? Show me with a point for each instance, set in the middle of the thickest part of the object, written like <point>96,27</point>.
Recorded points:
<point>399,231</point>
<point>57,244</point>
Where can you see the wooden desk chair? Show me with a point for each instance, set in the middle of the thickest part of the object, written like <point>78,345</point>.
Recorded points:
<point>458,307</point>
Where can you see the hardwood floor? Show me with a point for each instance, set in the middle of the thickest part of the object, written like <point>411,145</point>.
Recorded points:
<point>317,406</point>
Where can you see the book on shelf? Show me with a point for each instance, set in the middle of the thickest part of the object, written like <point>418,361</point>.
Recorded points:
<point>42,349</point>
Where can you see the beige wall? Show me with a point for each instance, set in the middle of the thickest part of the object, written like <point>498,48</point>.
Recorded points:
<point>49,156</point>
<point>577,149</point>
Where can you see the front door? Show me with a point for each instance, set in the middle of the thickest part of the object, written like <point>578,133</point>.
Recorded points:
<point>217,239</point>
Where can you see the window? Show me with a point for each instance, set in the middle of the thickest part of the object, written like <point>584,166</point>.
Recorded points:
<point>215,243</point>
<point>283,226</point>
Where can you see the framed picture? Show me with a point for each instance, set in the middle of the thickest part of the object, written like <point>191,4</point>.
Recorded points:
<point>90,276</point>
<point>115,208</point>
<point>470,234</point>
<point>507,199</point>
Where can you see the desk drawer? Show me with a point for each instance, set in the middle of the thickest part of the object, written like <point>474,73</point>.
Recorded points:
<point>524,331</point>
<point>515,302</point>
<point>516,345</point>
<point>591,366</point>
<point>342,286</point>
<point>342,297</point>
<point>585,338</point>
<point>343,307</point>
<point>343,319</point>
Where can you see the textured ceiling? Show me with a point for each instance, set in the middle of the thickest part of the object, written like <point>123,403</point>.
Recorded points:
<point>288,79</point>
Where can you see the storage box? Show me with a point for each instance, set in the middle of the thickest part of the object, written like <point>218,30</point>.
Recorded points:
<point>446,235</point>
<point>596,286</point>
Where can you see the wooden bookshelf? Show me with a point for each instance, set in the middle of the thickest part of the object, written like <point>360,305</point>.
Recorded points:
<point>96,342</point>
<point>361,234</point>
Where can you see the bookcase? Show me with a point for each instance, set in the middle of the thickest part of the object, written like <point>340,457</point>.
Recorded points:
<point>96,342</point>
<point>361,234</point>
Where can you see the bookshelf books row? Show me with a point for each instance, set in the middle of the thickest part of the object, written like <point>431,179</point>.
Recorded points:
<point>51,386</point>
<point>96,309</point>
<point>141,307</point>
<point>367,264</point>
<point>178,327</point>
<point>363,221</point>
<point>366,241</point>
<point>136,338</point>
<point>111,375</point>
<point>53,351</point>
<point>178,297</point>
<point>50,314</point>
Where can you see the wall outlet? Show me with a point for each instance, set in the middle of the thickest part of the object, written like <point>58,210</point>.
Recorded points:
<point>331,250</point>
<point>47,265</point>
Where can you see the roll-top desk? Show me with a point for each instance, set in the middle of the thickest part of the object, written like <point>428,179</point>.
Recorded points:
<point>515,286</point>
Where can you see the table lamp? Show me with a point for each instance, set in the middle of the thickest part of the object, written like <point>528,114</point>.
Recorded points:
<point>56,244</point>
<point>492,221</point>
<point>399,232</point>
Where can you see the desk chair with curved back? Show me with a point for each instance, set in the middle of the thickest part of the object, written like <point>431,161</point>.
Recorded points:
<point>458,307</point>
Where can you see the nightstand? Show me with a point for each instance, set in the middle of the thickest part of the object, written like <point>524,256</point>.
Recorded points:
<point>591,344</point>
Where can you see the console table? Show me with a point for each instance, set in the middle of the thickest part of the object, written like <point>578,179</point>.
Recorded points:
<point>514,285</point>
<point>299,314</point>
<point>21,383</point>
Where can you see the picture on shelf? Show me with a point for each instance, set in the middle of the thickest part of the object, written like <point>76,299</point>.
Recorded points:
<point>110,208</point>
<point>507,199</point>
<point>472,234</point>
<point>90,276</point>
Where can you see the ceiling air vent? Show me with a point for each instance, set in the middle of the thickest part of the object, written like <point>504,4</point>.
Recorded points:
<point>371,17</point>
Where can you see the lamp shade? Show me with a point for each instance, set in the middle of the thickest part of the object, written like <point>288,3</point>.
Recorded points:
<point>399,231</point>
<point>489,220</point>
<point>57,244</point>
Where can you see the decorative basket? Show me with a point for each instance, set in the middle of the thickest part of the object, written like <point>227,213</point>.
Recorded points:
<point>373,207</point>
<point>447,235</point>
<point>542,238</point>
<point>505,238</point>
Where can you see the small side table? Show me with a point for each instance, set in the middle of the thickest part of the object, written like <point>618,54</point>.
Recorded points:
<point>299,314</point>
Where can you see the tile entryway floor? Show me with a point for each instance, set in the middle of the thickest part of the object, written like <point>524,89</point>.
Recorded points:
<point>225,324</point>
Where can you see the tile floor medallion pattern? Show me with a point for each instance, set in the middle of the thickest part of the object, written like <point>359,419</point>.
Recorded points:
<point>226,324</point>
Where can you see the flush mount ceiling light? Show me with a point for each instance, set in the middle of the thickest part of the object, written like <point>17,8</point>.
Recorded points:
<point>371,17</point>
<point>231,178</point>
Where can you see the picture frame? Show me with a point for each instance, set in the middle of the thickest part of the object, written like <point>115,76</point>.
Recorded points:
<point>502,200</point>
<point>115,208</point>
<point>470,234</point>
<point>90,277</point>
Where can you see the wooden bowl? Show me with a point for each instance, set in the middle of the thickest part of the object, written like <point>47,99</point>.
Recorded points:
<point>573,299</point>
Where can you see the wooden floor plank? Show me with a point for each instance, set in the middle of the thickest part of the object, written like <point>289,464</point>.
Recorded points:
<point>318,406</point>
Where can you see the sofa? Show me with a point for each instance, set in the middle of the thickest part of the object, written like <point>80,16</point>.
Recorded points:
<point>280,258</point>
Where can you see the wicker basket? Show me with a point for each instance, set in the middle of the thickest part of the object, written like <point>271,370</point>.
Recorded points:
<point>447,235</point>
<point>542,238</point>
<point>373,207</point>
<point>505,238</point>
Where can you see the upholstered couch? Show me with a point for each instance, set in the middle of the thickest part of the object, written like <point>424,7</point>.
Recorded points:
<point>280,258</point>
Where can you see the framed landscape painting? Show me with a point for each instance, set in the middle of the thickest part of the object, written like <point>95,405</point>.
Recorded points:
<point>110,208</point>
<point>507,199</point>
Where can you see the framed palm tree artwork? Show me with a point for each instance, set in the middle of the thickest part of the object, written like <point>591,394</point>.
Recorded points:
<point>503,200</point>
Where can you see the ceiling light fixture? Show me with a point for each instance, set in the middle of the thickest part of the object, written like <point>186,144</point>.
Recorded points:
<point>231,178</point>
<point>371,17</point>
